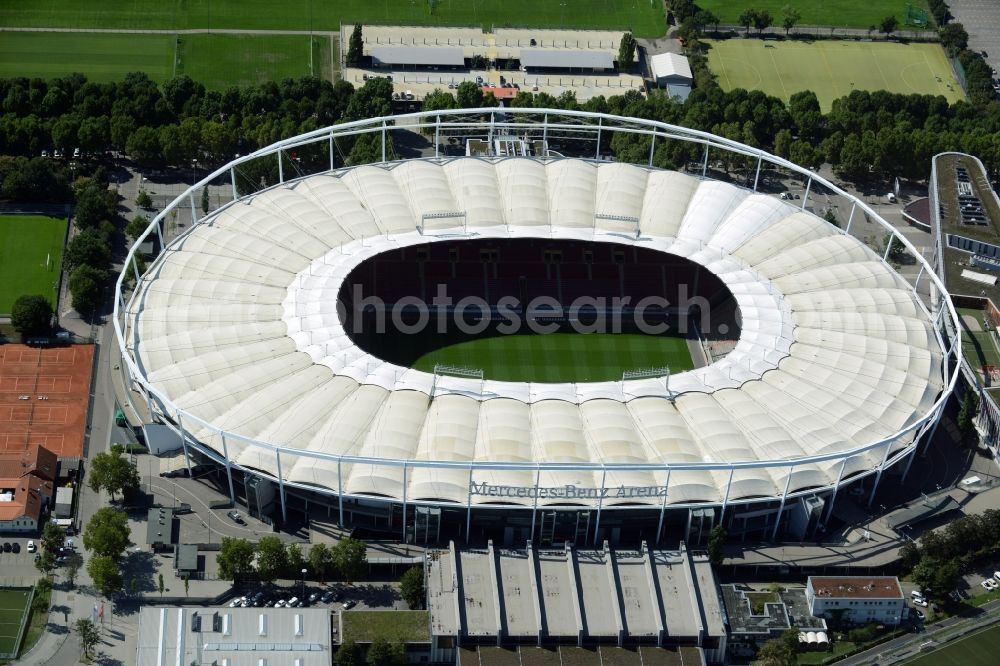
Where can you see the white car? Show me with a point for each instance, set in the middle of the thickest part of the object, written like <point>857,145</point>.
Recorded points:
<point>996,575</point>
<point>237,602</point>
<point>989,584</point>
<point>920,602</point>
<point>31,546</point>
<point>280,603</point>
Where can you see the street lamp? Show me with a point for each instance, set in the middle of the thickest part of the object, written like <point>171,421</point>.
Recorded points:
<point>194,166</point>
<point>304,571</point>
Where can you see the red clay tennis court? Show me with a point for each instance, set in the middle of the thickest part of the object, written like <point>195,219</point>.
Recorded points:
<point>43,397</point>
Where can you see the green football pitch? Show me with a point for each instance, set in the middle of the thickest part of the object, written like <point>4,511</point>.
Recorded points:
<point>27,244</point>
<point>13,605</point>
<point>832,69</point>
<point>644,17</point>
<point>218,61</point>
<point>840,13</point>
<point>562,357</point>
<point>976,650</point>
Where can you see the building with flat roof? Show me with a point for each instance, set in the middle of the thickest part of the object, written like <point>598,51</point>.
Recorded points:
<point>414,56</point>
<point>565,596</point>
<point>672,72</point>
<point>862,599</point>
<point>234,636</point>
<point>750,627</point>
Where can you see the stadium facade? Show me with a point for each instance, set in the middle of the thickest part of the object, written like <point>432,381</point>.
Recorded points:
<point>238,339</point>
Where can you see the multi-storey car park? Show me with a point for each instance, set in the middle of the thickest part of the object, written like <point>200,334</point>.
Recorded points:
<point>233,338</point>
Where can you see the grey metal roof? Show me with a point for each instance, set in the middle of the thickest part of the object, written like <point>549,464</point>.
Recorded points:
<point>922,511</point>
<point>567,59</point>
<point>187,557</point>
<point>419,55</point>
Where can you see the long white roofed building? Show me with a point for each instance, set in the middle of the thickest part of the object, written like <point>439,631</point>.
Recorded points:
<point>235,333</point>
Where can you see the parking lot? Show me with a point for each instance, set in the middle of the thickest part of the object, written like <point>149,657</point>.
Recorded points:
<point>981,19</point>
<point>335,596</point>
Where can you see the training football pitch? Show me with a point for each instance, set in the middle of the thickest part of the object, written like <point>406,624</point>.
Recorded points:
<point>832,69</point>
<point>562,357</point>
<point>25,242</point>
<point>976,650</point>
<point>218,61</point>
<point>644,17</point>
<point>13,605</point>
<point>840,13</point>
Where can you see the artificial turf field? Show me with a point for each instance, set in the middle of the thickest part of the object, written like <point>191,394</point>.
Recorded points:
<point>562,357</point>
<point>644,17</point>
<point>25,240</point>
<point>840,13</point>
<point>979,649</point>
<point>832,69</point>
<point>13,605</point>
<point>217,61</point>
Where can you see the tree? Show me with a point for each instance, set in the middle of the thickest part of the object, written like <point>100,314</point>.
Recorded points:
<point>106,574</point>
<point>187,580</point>
<point>31,315</point>
<point>762,21</point>
<point>706,18</point>
<point>107,533</point>
<point>350,557</point>
<point>43,591</point>
<point>790,17</point>
<point>93,205</point>
<point>439,99</point>
<point>272,559</point>
<point>87,248</point>
<point>716,544</point>
<point>296,561</point>
<point>384,653</point>
<point>888,25</point>
<point>748,18</point>
<point>777,652</point>
<point>46,562</point>
<point>204,200</point>
<point>88,633</point>
<point>967,415</point>
<point>355,47</point>
<point>235,559</point>
<point>136,226</point>
<point>159,583</point>
<point>349,654</point>
<point>469,95</point>
<point>72,568</point>
<point>144,146</point>
<point>320,560</point>
<point>411,586</point>
<point>112,471</point>
<point>142,200</point>
<point>626,52</point>
<point>85,288</point>
<point>954,38</point>
<point>53,536</point>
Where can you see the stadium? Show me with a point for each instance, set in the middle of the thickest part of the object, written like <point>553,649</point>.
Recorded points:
<point>282,337</point>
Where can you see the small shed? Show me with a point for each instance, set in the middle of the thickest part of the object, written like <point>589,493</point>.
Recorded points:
<point>64,502</point>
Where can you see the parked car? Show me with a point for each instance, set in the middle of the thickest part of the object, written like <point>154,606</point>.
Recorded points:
<point>989,584</point>
<point>327,597</point>
<point>15,547</point>
<point>314,597</point>
<point>236,517</point>
<point>258,599</point>
<point>31,546</point>
<point>349,604</point>
<point>280,603</point>
<point>6,546</point>
<point>996,575</point>
<point>236,602</point>
<point>920,602</point>
<point>918,614</point>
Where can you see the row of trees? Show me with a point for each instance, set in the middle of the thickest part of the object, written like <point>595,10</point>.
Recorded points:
<point>107,536</point>
<point>270,558</point>
<point>941,556</point>
<point>380,653</point>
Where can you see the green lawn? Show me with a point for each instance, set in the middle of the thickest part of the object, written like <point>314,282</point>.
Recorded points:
<point>102,57</point>
<point>561,357</point>
<point>646,18</point>
<point>25,241</point>
<point>976,650</point>
<point>841,13</point>
<point>13,605</point>
<point>218,61</point>
<point>832,69</point>
<point>365,626</point>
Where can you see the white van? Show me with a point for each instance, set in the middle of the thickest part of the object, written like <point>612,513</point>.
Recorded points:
<point>890,197</point>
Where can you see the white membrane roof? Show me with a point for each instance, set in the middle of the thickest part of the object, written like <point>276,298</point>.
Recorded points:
<point>237,325</point>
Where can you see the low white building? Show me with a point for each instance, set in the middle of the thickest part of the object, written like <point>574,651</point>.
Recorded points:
<point>861,599</point>
<point>672,72</point>
<point>234,636</point>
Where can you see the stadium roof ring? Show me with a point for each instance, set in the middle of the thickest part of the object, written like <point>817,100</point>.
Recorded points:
<point>233,335</point>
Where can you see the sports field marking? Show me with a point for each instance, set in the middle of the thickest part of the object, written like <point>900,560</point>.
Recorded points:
<point>53,414</point>
<point>15,384</point>
<point>59,357</point>
<point>832,69</point>
<point>15,414</point>
<point>54,384</point>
